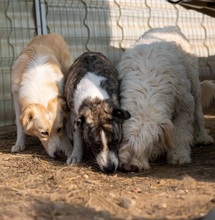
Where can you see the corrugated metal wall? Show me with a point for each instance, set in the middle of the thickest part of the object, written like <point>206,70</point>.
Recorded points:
<point>108,26</point>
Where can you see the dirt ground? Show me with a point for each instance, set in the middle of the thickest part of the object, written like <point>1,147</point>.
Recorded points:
<point>33,186</point>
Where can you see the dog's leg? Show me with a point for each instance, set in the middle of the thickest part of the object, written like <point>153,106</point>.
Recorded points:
<point>180,151</point>
<point>200,133</point>
<point>69,130</point>
<point>20,141</point>
<point>77,152</point>
<point>69,137</point>
<point>66,144</point>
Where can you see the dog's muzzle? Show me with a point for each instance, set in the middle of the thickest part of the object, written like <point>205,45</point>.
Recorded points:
<point>109,168</point>
<point>107,161</point>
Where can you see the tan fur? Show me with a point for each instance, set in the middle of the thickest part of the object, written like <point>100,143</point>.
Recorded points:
<point>41,117</point>
<point>52,45</point>
<point>207,93</point>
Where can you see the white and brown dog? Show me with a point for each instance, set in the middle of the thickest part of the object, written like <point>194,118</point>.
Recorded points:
<point>37,87</point>
<point>161,90</point>
<point>92,93</point>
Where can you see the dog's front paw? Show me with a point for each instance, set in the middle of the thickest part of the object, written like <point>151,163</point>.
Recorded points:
<point>73,159</point>
<point>204,140</point>
<point>128,168</point>
<point>175,159</point>
<point>133,168</point>
<point>18,148</point>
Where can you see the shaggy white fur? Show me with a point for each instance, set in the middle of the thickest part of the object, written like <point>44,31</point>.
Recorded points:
<point>160,88</point>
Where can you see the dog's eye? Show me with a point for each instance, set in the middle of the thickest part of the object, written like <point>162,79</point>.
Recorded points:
<point>59,130</point>
<point>45,133</point>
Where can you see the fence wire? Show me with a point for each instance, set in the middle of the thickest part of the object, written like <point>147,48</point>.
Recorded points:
<point>108,26</point>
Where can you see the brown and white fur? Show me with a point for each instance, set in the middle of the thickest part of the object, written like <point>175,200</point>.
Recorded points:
<point>92,90</point>
<point>160,88</point>
<point>37,87</point>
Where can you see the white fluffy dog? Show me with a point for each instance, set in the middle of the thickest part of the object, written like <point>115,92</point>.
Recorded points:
<point>160,88</point>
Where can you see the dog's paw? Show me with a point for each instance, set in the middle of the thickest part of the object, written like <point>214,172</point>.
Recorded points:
<point>145,166</point>
<point>134,168</point>
<point>73,159</point>
<point>178,159</point>
<point>204,140</point>
<point>128,168</point>
<point>17,148</point>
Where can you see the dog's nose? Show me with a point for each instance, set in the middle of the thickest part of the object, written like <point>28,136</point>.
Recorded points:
<point>58,154</point>
<point>110,168</point>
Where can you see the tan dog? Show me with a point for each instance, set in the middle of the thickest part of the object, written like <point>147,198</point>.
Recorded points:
<point>207,93</point>
<point>37,87</point>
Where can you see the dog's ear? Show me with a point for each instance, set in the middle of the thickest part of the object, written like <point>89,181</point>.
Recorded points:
<point>26,118</point>
<point>79,121</point>
<point>121,114</point>
<point>63,104</point>
<point>64,108</point>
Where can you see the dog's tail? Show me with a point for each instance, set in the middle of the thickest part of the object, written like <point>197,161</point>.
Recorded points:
<point>207,93</point>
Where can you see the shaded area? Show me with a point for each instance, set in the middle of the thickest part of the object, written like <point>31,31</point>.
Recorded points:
<point>204,6</point>
<point>33,186</point>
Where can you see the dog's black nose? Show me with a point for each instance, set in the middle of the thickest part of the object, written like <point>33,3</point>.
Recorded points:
<point>58,154</point>
<point>109,169</point>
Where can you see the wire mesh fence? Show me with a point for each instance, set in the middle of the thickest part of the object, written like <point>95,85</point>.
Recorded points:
<point>16,28</point>
<point>108,26</point>
<point>111,26</point>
